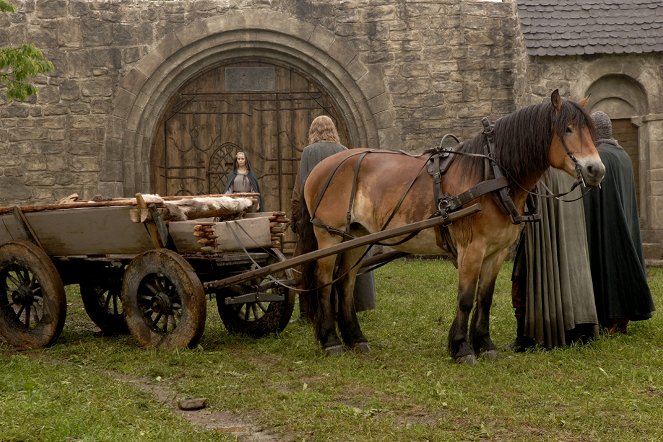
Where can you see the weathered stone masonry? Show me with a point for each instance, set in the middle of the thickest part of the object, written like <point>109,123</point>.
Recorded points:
<point>434,67</point>
<point>405,72</point>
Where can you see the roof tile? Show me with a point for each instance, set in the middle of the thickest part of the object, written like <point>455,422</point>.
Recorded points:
<point>575,27</point>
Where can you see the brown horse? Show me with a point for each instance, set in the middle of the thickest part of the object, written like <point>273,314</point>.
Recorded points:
<point>358,191</point>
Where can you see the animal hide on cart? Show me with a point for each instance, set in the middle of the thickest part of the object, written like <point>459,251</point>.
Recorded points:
<point>222,207</point>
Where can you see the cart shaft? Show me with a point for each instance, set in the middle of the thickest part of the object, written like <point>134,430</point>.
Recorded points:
<point>346,245</point>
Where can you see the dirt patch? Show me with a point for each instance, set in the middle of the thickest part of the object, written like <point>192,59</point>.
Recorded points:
<point>221,421</point>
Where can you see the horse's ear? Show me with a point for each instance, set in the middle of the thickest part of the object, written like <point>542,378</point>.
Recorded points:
<point>584,101</point>
<point>556,100</point>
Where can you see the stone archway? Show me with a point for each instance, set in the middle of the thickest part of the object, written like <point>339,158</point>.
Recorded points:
<point>257,107</point>
<point>145,90</point>
<point>625,101</point>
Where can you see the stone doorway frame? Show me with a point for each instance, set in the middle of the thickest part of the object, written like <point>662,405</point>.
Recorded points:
<point>144,91</point>
<point>639,89</point>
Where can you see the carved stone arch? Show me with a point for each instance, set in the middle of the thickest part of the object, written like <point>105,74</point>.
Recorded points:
<point>144,92</point>
<point>618,95</point>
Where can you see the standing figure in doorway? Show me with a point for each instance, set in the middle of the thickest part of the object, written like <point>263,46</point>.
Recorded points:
<point>242,179</point>
<point>323,142</point>
<point>615,248</point>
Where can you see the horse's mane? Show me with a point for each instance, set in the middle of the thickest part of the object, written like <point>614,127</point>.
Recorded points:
<point>522,138</point>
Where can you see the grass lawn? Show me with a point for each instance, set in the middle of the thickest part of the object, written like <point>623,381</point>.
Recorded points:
<point>88,387</point>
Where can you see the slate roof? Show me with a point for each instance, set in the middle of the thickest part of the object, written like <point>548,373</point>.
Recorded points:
<point>576,27</point>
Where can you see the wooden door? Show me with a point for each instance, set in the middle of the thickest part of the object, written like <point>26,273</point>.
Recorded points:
<point>626,134</point>
<point>262,109</point>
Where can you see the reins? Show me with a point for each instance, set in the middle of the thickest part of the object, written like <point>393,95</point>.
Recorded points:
<point>580,180</point>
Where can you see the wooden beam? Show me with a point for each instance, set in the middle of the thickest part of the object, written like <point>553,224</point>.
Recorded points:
<point>346,245</point>
<point>24,225</point>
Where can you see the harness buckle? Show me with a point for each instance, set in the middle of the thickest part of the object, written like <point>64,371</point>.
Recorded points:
<point>445,205</point>
<point>488,127</point>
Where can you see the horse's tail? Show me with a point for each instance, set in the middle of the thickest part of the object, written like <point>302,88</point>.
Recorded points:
<point>308,243</point>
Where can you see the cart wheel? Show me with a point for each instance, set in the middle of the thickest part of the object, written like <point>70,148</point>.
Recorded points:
<point>33,305</point>
<point>163,300</point>
<point>260,318</point>
<point>101,294</point>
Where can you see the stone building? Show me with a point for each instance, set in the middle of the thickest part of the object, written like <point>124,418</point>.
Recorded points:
<point>157,96</point>
<point>612,51</point>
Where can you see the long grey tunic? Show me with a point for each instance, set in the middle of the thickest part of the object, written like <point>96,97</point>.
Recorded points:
<point>313,154</point>
<point>559,283</point>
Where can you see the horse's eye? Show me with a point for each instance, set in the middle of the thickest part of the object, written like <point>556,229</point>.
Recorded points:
<point>569,129</point>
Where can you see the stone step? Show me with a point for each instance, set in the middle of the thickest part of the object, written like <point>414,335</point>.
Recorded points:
<point>652,250</point>
<point>653,262</point>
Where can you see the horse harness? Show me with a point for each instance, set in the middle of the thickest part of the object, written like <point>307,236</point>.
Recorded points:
<point>346,234</point>
<point>440,161</point>
<point>437,165</point>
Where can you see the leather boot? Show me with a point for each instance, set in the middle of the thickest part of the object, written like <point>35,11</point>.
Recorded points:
<point>522,343</point>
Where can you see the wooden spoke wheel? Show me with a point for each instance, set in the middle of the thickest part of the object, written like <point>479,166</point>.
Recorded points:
<point>258,318</point>
<point>102,298</point>
<point>164,300</point>
<point>32,300</point>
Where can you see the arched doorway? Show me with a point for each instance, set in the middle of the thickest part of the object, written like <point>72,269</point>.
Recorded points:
<point>263,109</point>
<point>624,100</point>
<point>624,131</point>
<point>359,99</point>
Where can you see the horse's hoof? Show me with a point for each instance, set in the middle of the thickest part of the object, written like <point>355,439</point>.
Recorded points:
<point>470,360</point>
<point>491,355</point>
<point>334,350</point>
<point>361,347</point>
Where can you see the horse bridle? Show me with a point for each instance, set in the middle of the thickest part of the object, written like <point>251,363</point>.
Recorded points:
<point>580,181</point>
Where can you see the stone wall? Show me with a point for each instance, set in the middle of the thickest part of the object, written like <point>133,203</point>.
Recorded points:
<point>437,67</point>
<point>405,73</point>
<point>638,84</point>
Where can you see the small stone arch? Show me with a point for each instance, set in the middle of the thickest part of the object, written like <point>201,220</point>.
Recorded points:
<point>145,90</point>
<point>618,95</point>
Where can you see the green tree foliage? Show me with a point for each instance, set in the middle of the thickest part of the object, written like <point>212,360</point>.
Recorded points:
<point>18,65</point>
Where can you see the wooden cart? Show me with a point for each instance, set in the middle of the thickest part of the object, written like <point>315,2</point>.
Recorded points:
<point>141,264</point>
<point>147,267</point>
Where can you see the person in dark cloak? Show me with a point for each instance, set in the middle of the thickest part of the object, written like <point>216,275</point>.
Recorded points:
<point>242,179</point>
<point>613,232</point>
<point>323,142</point>
<point>552,291</point>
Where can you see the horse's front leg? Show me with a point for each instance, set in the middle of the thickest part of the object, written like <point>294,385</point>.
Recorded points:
<point>469,268</point>
<point>324,322</point>
<point>480,324</point>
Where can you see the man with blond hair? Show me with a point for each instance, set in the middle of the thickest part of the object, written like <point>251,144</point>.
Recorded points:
<point>323,142</point>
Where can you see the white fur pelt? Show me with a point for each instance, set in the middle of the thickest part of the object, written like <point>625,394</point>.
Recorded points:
<point>223,207</point>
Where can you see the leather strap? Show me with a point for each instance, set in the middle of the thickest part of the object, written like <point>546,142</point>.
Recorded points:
<point>503,193</point>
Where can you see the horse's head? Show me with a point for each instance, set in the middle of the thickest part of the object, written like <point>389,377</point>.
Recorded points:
<point>572,148</point>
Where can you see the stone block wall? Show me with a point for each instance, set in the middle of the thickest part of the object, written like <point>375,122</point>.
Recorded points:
<point>574,76</point>
<point>445,64</point>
